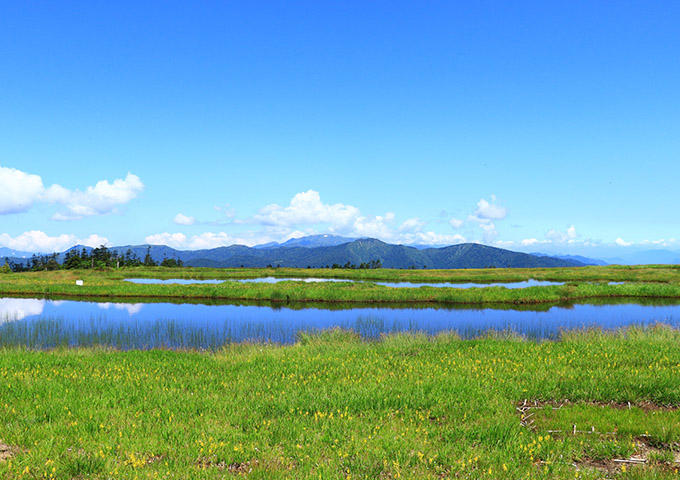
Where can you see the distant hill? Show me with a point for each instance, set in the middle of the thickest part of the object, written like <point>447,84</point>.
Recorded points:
<point>653,256</point>
<point>8,252</point>
<point>322,250</point>
<point>341,251</point>
<point>646,257</point>
<point>577,258</point>
<point>469,255</point>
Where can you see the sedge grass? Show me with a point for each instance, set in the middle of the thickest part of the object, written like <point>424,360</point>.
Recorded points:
<point>580,283</point>
<point>335,406</point>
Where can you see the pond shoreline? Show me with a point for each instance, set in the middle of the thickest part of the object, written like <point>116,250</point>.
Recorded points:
<point>579,285</point>
<point>285,301</point>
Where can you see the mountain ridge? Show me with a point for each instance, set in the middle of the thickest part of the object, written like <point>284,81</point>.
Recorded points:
<point>351,253</point>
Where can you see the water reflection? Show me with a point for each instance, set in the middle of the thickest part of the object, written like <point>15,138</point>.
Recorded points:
<point>512,285</point>
<point>277,280</point>
<point>12,309</point>
<point>183,281</point>
<point>43,323</point>
<point>131,308</point>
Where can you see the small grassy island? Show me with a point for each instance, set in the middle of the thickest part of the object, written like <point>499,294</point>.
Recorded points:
<point>580,283</point>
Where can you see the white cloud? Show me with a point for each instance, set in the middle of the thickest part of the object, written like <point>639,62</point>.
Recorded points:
<point>174,240</point>
<point>490,233</point>
<point>19,191</point>
<point>484,215</point>
<point>431,238</point>
<point>208,240</point>
<point>411,225</point>
<point>306,208</point>
<point>307,214</point>
<point>40,242</point>
<point>211,240</point>
<point>530,241</point>
<point>94,241</point>
<point>375,227</point>
<point>504,244</point>
<point>455,223</point>
<point>102,199</point>
<point>671,242</point>
<point>490,211</point>
<point>560,238</point>
<point>181,219</point>
<point>622,243</point>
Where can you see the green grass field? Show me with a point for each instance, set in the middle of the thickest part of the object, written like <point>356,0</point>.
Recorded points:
<point>334,406</point>
<point>580,283</point>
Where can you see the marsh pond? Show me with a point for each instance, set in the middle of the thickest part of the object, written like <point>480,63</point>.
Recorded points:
<point>48,323</point>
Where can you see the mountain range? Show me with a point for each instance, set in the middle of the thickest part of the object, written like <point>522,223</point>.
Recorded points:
<point>326,251</point>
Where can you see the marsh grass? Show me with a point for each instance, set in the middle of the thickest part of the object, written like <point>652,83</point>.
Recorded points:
<point>580,283</point>
<point>334,405</point>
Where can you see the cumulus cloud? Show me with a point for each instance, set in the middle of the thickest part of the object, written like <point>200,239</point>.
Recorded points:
<point>484,216</point>
<point>455,223</point>
<point>490,232</point>
<point>101,199</point>
<point>671,242</point>
<point>411,225</point>
<point>39,242</point>
<point>211,240</point>
<point>208,240</point>
<point>307,214</point>
<point>174,240</point>
<point>181,219</point>
<point>19,191</point>
<point>622,243</point>
<point>562,237</point>
<point>431,238</point>
<point>306,208</point>
<point>376,227</point>
<point>490,210</point>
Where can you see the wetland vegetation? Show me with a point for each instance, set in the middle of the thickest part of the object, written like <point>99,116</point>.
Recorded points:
<point>334,406</point>
<point>585,404</point>
<point>579,283</point>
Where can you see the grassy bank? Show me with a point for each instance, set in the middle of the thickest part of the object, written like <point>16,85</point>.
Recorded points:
<point>580,283</point>
<point>333,406</point>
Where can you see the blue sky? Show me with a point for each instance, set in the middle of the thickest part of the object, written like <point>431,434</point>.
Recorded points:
<point>535,126</point>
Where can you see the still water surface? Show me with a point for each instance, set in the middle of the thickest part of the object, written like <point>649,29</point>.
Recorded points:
<point>43,323</point>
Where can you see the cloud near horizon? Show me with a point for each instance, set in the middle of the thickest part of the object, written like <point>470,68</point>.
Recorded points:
<point>484,217</point>
<point>559,237</point>
<point>19,191</point>
<point>36,241</point>
<point>307,214</point>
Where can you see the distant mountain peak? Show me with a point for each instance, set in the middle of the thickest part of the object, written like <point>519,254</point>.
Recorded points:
<point>310,241</point>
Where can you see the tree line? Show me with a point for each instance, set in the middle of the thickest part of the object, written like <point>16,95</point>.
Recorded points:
<point>98,258</point>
